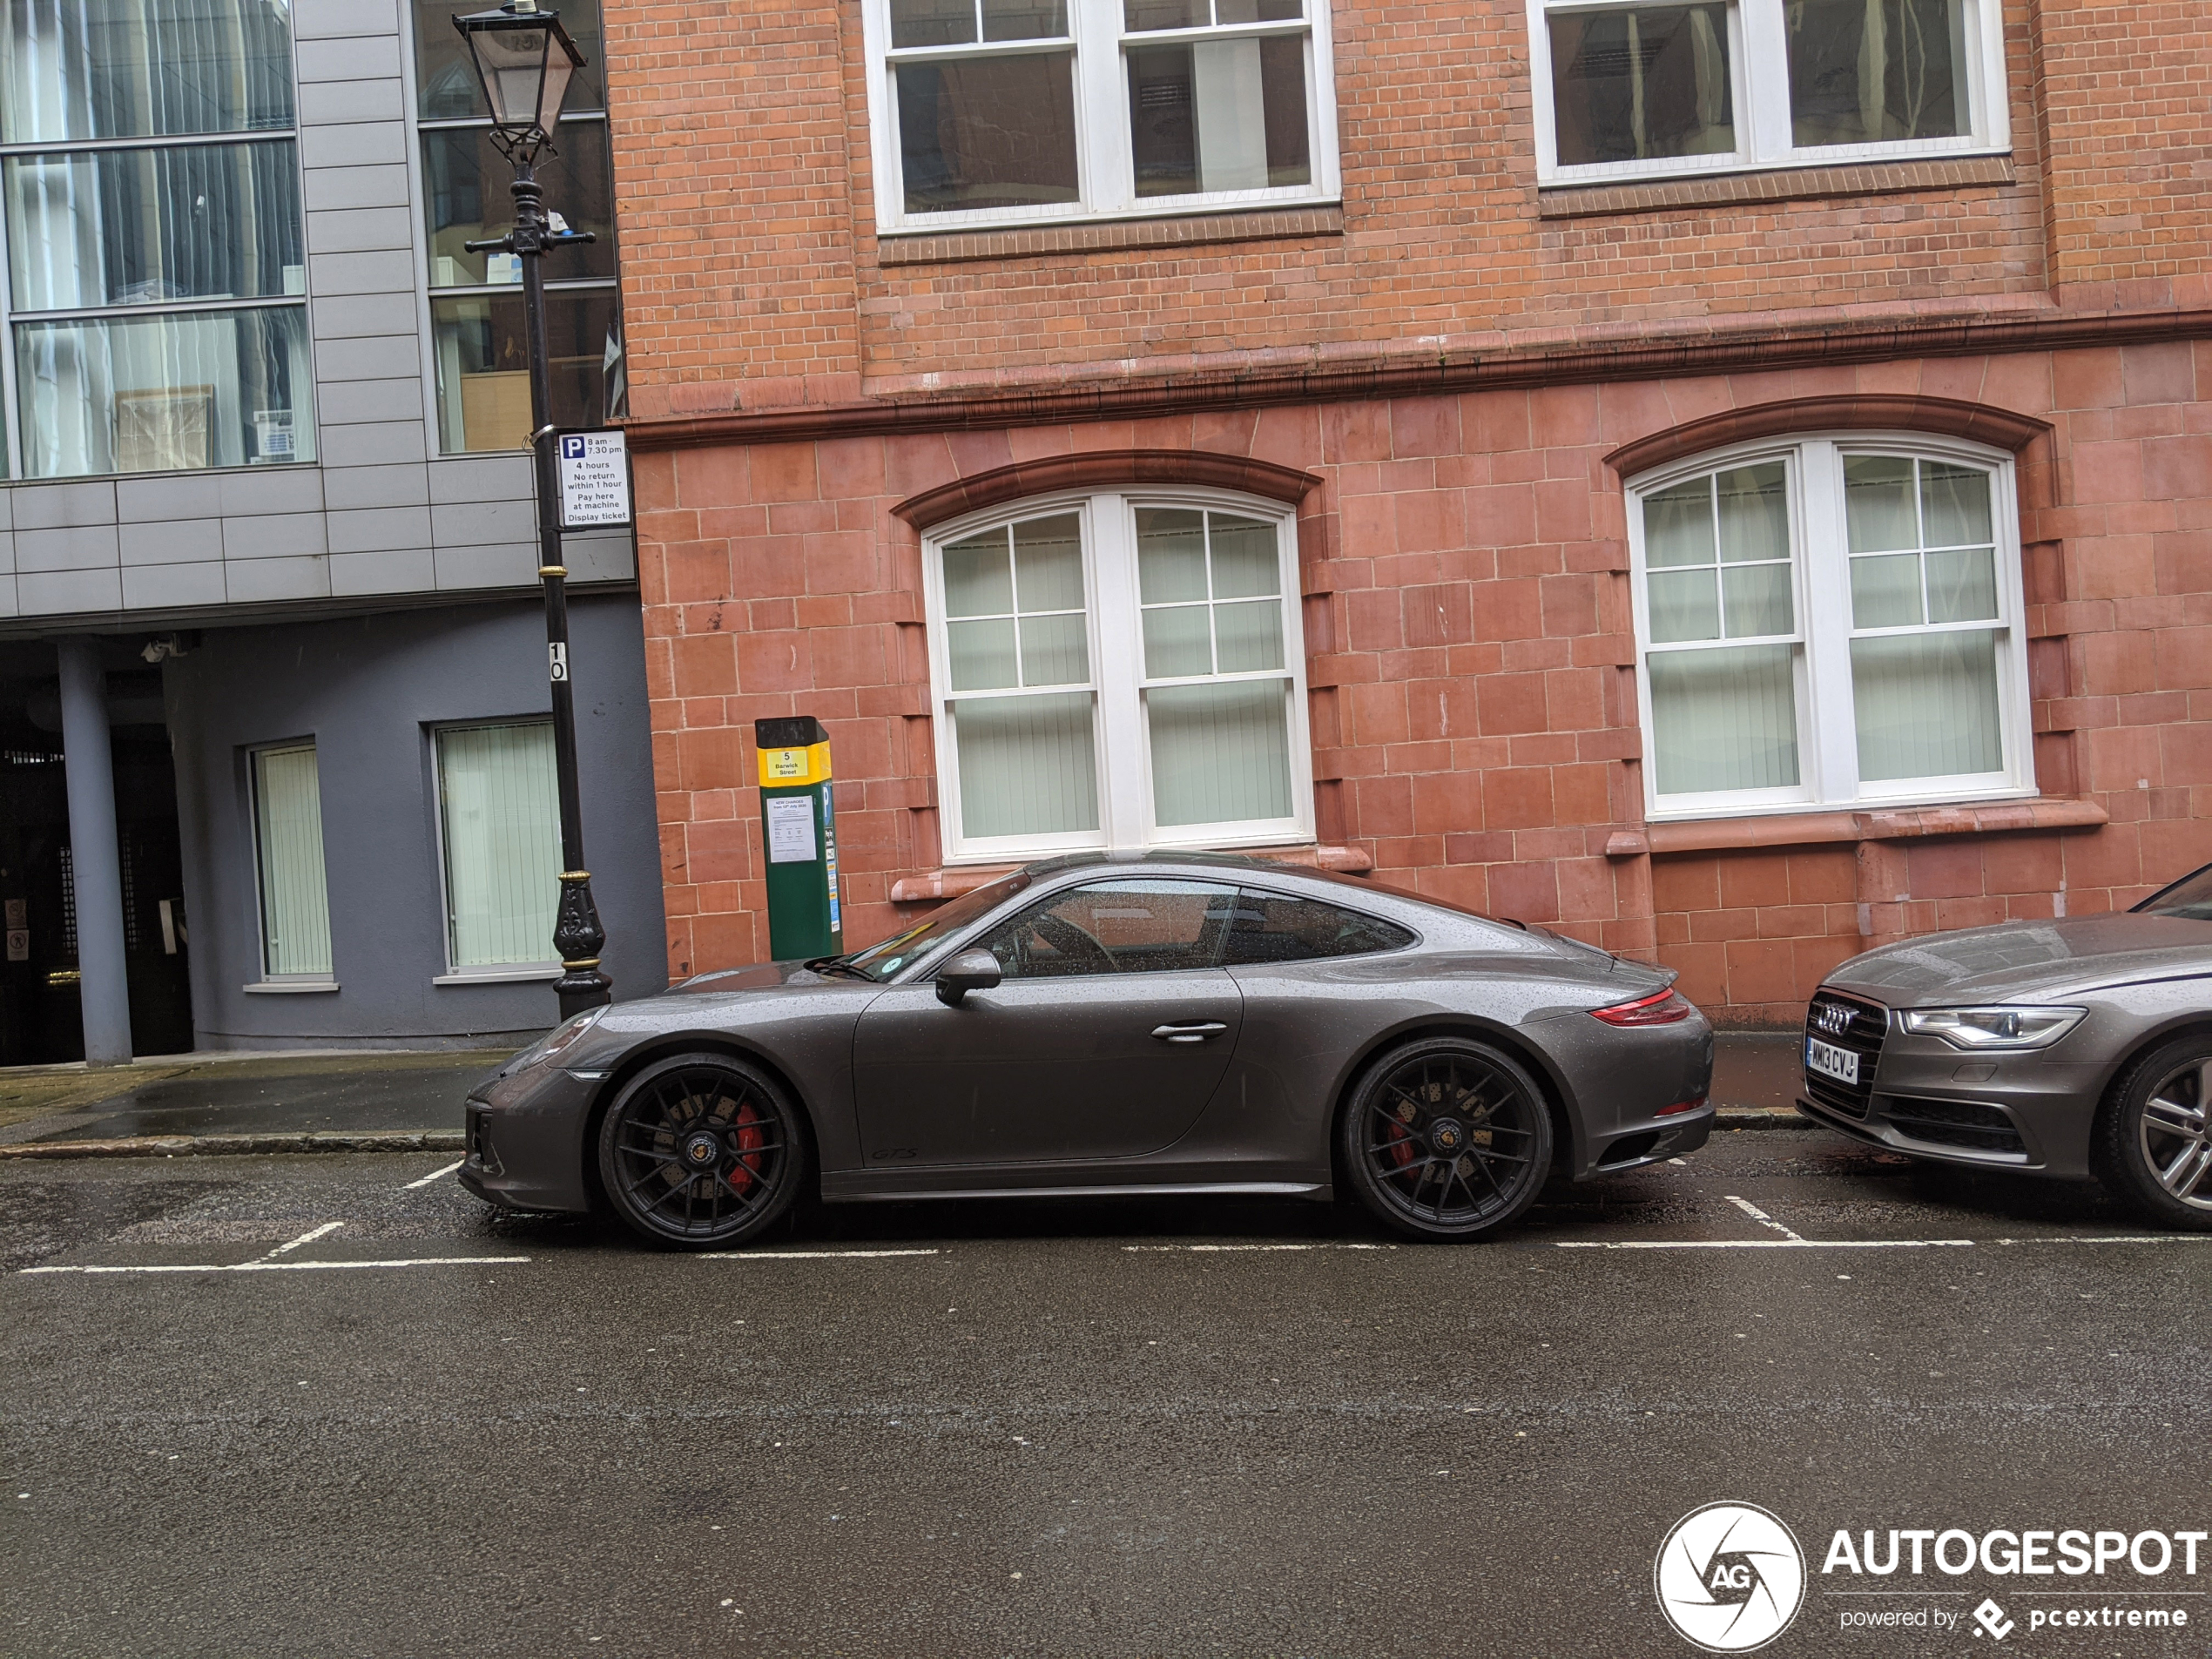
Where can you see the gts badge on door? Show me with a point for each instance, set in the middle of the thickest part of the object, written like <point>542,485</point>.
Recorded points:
<point>892,1152</point>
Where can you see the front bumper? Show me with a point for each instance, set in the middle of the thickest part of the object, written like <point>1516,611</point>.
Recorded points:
<point>525,1139</point>
<point>2032,1112</point>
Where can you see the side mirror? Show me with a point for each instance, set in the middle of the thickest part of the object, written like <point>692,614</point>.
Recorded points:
<point>972,970</point>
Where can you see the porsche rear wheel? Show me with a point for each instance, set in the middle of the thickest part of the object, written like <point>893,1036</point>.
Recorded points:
<point>701,1150</point>
<point>1446,1138</point>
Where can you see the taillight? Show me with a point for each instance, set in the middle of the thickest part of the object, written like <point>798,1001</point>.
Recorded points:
<point>1661,1007</point>
<point>1680,1106</point>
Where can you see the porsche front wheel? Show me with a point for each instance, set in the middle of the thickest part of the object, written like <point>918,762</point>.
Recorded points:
<point>700,1150</point>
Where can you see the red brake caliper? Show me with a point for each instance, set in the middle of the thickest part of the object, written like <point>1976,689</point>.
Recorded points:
<point>746,1170</point>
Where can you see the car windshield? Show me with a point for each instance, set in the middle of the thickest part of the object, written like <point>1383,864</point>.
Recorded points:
<point>880,961</point>
<point>2188,900</point>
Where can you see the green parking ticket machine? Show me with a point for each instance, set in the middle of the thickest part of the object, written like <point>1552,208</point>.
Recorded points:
<point>798,826</point>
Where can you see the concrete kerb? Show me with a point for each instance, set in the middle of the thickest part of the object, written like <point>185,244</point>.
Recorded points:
<point>172,1146</point>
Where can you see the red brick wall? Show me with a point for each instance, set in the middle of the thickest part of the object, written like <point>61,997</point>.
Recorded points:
<point>1468,640</point>
<point>751,277</point>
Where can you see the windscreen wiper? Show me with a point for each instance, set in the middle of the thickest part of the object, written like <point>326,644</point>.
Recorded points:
<point>839,966</point>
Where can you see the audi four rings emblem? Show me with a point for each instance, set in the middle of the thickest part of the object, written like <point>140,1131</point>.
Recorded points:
<point>1831,1017</point>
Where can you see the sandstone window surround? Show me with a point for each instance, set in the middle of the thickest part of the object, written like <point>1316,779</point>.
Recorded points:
<point>1628,89</point>
<point>1118,669</point>
<point>1829,621</point>
<point>994,113</point>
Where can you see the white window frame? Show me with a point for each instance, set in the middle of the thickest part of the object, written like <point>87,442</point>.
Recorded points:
<point>1820,569</point>
<point>548,967</point>
<point>1116,642</point>
<point>1761,100</point>
<point>1105,174</point>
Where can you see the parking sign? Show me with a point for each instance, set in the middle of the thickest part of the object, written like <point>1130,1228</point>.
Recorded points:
<point>595,479</point>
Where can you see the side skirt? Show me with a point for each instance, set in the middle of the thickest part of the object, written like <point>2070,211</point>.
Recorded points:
<point>1317,1191</point>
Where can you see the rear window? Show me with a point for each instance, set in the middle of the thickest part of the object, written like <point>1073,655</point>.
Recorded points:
<point>1271,929</point>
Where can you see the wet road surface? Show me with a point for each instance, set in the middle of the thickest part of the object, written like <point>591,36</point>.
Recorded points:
<point>354,1412</point>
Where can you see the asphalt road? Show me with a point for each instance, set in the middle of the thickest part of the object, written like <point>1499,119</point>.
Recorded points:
<point>1189,1429</point>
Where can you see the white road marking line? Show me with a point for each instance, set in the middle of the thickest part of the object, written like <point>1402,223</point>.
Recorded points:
<point>1761,1218</point>
<point>267,1266</point>
<point>2112,1239</point>
<point>802,1255</point>
<point>1760,1243</point>
<point>1149,1249</point>
<point>433,1175</point>
<point>308,1238</point>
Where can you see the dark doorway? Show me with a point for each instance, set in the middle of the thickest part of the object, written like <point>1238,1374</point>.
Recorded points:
<point>40,1021</point>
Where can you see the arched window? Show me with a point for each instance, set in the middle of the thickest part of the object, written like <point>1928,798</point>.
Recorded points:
<point>1118,669</point>
<point>1829,621</point>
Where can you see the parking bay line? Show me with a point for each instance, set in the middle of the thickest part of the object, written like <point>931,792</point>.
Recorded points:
<point>1761,1218</point>
<point>433,1175</point>
<point>308,1238</point>
<point>1875,1243</point>
<point>1211,1249</point>
<point>265,1265</point>
<point>803,1255</point>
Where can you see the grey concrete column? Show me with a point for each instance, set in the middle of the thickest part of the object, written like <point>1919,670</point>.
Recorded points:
<point>96,870</point>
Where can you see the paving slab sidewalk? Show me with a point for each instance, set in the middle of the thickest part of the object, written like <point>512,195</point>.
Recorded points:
<point>388,1100</point>
<point>308,1101</point>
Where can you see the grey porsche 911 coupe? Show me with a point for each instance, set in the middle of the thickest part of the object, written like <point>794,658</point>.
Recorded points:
<point>2075,1046</point>
<point>1092,1025</point>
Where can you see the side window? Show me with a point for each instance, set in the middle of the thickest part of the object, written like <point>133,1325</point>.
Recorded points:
<point>1271,928</point>
<point>1131,927</point>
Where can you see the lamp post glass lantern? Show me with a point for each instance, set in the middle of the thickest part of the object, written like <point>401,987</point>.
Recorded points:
<point>524,58</point>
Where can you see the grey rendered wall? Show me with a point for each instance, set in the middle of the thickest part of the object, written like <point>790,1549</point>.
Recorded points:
<point>381,513</point>
<point>367,690</point>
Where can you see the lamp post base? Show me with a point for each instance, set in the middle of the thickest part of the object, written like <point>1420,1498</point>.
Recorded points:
<point>578,936</point>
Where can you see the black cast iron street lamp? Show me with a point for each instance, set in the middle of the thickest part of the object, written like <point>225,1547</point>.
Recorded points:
<point>524,58</point>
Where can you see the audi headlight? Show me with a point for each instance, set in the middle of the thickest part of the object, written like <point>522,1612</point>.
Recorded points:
<point>1998,1028</point>
<point>562,1036</point>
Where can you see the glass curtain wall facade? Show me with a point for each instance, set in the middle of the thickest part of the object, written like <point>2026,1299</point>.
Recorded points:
<point>156,272</point>
<point>476,299</point>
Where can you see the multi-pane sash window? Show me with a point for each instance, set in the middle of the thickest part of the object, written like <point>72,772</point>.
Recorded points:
<point>1640,90</point>
<point>156,279</point>
<point>1830,621</point>
<point>1119,672</point>
<point>476,299</point>
<point>499,816</point>
<point>288,848</point>
<point>991,110</point>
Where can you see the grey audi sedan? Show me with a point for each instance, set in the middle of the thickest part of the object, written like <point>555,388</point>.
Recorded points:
<point>1090,1026</point>
<point>2076,1047</point>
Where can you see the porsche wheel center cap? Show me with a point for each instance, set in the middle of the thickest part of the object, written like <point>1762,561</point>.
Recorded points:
<point>701,1149</point>
<point>1448,1135</point>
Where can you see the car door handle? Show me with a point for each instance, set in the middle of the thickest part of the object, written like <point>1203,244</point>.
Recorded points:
<point>1196,1031</point>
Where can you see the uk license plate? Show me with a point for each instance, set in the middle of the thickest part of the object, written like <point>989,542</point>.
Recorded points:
<point>1831,1062</point>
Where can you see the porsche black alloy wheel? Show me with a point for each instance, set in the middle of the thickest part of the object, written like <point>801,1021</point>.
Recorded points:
<point>1446,1138</point>
<point>2153,1143</point>
<point>701,1149</point>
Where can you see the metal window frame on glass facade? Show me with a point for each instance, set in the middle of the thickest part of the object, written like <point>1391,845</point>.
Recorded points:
<point>1760,97</point>
<point>300,414</point>
<point>434,19</point>
<point>1117,681</point>
<point>1820,560</point>
<point>1098,43</point>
